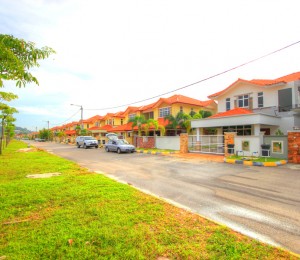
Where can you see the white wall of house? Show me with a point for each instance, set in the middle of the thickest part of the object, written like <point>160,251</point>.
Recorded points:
<point>254,145</point>
<point>168,142</point>
<point>270,94</point>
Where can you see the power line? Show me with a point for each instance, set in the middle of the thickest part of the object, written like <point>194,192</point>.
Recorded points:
<point>202,80</point>
<point>67,119</point>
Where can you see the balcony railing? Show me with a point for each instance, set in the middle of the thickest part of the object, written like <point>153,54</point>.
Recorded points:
<point>295,108</point>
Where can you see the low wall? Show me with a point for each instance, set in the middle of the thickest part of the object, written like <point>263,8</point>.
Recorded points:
<point>279,146</point>
<point>168,142</point>
<point>247,145</point>
<point>145,142</point>
<point>294,146</point>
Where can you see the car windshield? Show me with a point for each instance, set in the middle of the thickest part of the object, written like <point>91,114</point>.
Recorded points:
<point>89,138</point>
<point>122,142</point>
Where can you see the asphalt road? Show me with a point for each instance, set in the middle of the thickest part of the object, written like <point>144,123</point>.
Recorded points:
<point>261,202</point>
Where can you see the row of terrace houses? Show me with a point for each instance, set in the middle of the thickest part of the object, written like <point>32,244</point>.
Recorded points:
<point>249,108</point>
<point>99,126</point>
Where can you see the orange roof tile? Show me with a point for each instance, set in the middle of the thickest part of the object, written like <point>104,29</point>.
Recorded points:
<point>95,118</point>
<point>105,127</point>
<point>70,132</point>
<point>122,128</point>
<point>183,99</point>
<point>233,112</point>
<point>94,128</point>
<point>261,82</point>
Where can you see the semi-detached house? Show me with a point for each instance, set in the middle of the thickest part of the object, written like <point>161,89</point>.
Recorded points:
<point>249,107</point>
<point>258,111</point>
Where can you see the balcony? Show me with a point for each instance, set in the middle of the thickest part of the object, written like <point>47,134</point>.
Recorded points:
<point>294,108</point>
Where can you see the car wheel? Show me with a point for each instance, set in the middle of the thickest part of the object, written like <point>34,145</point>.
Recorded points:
<point>118,150</point>
<point>84,146</point>
<point>132,151</point>
<point>78,146</point>
<point>96,146</point>
<point>106,149</point>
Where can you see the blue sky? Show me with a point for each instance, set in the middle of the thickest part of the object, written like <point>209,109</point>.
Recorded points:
<point>111,53</point>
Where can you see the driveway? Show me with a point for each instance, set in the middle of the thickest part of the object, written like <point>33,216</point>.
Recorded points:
<point>261,202</point>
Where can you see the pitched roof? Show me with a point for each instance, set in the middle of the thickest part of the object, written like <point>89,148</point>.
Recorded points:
<point>260,82</point>
<point>233,112</point>
<point>184,100</point>
<point>121,128</point>
<point>70,132</point>
<point>105,127</point>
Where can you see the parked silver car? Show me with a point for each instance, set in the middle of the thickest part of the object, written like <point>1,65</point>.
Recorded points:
<point>86,141</point>
<point>119,146</point>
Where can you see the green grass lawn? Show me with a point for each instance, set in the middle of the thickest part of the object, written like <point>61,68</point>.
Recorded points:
<point>254,159</point>
<point>83,215</point>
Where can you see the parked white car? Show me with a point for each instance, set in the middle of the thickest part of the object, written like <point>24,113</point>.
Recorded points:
<point>86,141</point>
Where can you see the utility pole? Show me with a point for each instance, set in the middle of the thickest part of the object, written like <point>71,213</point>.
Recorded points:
<point>48,131</point>
<point>81,110</point>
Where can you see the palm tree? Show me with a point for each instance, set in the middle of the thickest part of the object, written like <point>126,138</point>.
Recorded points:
<point>150,122</point>
<point>138,121</point>
<point>204,113</point>
<point>181,120</point>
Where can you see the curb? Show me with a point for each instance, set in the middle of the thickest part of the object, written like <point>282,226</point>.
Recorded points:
<point>250,163</point>
<point>156,153</point>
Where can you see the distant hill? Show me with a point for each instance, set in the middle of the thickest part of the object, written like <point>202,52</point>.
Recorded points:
<point>22,130</point>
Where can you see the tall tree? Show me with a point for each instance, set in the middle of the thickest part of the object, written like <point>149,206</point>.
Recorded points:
<point>5,117</point>
<point>17,57</point>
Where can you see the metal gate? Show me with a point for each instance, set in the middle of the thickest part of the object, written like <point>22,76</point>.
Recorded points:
<point>206,144</point>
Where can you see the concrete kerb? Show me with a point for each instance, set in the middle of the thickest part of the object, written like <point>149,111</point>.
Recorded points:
<point>250,163</point>
<point>156,152</point>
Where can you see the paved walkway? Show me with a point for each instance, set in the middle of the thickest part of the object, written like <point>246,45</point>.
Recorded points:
<point>202,157</point>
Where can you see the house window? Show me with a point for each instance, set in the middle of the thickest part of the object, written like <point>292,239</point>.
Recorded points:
<point>181,109</point>
<point>285,100</point>
<point>243,101</point>
<point>131,116</point>
<point>227,104</point>
<point>241,130</point>
<point>113,121</point>
<point>87,126</point>
<point>260,99</point>
<point>121,121</point>
<point>164,111</point>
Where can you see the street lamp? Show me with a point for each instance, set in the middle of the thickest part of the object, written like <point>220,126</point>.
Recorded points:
<point>81,108</point>
<point>48,135</point>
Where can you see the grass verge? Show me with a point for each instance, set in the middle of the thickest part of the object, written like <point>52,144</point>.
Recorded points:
<point>83,215</point>
<point>254,159</point>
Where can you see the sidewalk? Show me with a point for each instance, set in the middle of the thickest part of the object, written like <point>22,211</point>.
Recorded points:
<point>202,157</point>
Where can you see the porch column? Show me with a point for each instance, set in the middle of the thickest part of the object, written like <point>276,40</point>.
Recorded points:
<point>198,134</point>
<point>198,145</point>
<point>294,146</point>
<point>184,139</point>
<point>256,130</point>
<point>228,140</point>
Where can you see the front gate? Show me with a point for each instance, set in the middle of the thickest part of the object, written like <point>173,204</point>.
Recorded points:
<point>206,144</point>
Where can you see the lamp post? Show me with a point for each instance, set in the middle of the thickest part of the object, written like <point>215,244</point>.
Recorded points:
<point>48,135</point>
<point>81,108</point>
